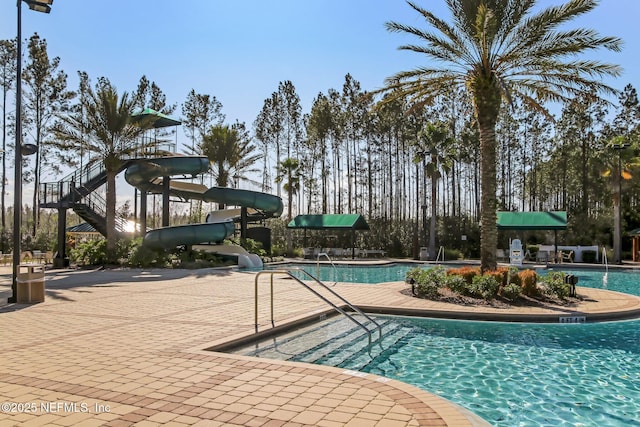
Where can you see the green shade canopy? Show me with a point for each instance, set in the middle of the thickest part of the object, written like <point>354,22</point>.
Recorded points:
<point>333,222</point>
<point>158,119</point>
<point>532,220</point>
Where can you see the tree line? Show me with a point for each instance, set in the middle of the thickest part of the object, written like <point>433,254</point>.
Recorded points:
<point>410,158</point>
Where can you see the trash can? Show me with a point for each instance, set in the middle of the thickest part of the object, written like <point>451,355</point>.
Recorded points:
<point>424,254</point>
<point>30,283</point>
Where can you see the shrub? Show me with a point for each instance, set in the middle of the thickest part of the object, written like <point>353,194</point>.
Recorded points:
<point>485,286</point>
<point>428,282</point>
<point>452,255</point>
<point>467,273</point>
<point>143,256</point>
<point>514,277</point>
<point>411,276</point>
<point>554,284</point>
<point>500,275</point>
<point>278,250</point>
<point>529,280</point>
<point>200,259</point>
<point>253,247</point>
<point>94,252</point>
<point>511,291</point>
<point>457,284</point>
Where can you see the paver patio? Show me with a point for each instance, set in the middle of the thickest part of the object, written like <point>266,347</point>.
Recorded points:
<point>127,347</point>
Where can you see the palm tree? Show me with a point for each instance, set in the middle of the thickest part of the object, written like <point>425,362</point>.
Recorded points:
<point>230,152</point>
<point>434,141</point>
<point>289,173</point>
<point>103,128</point>
<point>499,50</point>
<point>619,168</point>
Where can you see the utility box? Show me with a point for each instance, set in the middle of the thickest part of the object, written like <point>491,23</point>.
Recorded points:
<point>30,283</point>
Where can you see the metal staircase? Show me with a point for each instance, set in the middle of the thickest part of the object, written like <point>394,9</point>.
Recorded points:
<point>76,190</point>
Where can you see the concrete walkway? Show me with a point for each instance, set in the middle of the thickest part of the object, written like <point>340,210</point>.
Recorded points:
<point>127,347</point>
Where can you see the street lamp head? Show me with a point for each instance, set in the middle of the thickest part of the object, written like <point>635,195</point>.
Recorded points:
<point>43,6</point>
<point>28,149</point>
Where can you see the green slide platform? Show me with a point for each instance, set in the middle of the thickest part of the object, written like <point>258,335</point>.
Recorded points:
<point>144,174</point>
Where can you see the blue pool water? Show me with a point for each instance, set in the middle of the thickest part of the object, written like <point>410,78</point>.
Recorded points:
<point>511,374</point>
<point>521,374</point>
<point>352,273</point>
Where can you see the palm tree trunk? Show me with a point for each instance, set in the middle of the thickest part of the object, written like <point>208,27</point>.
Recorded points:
<point>487,101</point>
<point>111,211</point>
<point>434,210</point>
<point>36,183</point>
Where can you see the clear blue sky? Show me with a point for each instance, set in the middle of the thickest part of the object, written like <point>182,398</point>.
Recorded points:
<point>239,50</point>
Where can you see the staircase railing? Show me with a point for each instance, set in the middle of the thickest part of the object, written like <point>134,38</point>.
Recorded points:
<point>99,205</point>
<point>288,272</point>
<point>80,178</point>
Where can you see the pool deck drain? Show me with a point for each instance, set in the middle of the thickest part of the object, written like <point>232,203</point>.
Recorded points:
<point>127,347</point>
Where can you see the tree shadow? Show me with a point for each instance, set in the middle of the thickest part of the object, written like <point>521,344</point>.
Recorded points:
<point>59,281</point>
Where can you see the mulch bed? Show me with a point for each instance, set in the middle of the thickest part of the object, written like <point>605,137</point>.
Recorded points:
<point>446,295</point>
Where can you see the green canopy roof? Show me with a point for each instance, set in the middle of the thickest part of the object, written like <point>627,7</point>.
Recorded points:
<point>161,120</point>
<point>327,221</point>
<point>532,220</point>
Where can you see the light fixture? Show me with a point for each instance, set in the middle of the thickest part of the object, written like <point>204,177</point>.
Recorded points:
<point>43,6</point>
<point>28,149</point>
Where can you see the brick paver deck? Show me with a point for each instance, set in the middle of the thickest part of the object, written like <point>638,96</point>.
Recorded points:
<point>127,347</point>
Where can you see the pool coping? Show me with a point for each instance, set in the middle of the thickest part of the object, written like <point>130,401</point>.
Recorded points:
<point>229,344</point>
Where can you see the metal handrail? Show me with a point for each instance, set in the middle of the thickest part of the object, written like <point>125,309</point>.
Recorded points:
<point>335,269</point>
<point>605,278</point>
<point>440,251</point>
<point>316,293</point>
<point>91,170</point>
<point>99,206</point>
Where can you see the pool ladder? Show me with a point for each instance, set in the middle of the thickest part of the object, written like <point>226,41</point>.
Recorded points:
<point>348,315</point>
<point>326,255</point>
<point>605,278</point>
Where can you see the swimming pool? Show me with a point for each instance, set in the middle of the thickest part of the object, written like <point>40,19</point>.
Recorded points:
<point>353,273</point>
<point>625,281</point>
<point>508,373</point>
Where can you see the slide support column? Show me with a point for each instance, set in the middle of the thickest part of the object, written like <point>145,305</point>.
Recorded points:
<point>165,201</point>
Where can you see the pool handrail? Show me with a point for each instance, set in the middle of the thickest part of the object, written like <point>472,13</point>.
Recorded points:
<point>440,251</point>
<point>316,293</point>
<point>335,269</point>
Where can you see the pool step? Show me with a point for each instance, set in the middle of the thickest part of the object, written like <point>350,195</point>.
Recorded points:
<point>353,338</point>
<point>303,341</point>
<point>356,356</point>
<point>335,342</point>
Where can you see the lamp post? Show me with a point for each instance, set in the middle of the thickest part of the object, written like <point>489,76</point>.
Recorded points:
<point>43,6</point>
<point>617,221</point>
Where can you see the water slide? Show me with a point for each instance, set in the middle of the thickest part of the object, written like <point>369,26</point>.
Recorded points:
<point>147,174</point>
